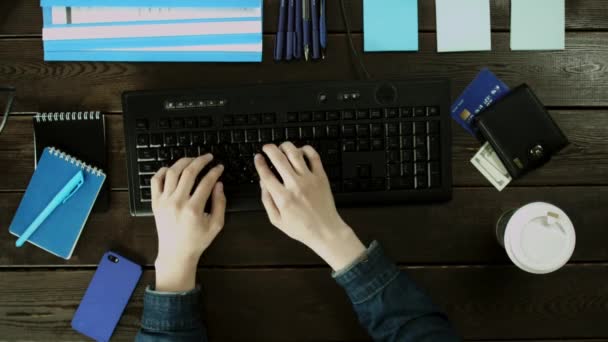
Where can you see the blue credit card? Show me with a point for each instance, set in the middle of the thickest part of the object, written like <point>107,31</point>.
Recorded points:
<point>485,89</point>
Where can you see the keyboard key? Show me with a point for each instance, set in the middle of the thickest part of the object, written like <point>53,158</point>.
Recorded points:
<point>146,154</point>
<point>362,114</point>
<point>211,138</point>
<point>293,133</point>
<point>305,116</point>
<point>393,143</point>
<point>407,128</point>
<point>333,172</point>
<point>407,142</point>
<point>156,140</point>
<point>205,121</point>
<point>363,130</point>
<point>377,130</point>
<point>419,111</point>
<point>238,135</point>
<point>254,119</point>
<point>393,157</point>
<point>143,140</point>
<point>392,113</point>
<point>392,129</point>
<point>268,118</point>
<point>433,127</point>
<point>191,123</point>
<point>434,168</point>
<point>198,138</point>
<point>432,111</point>
<point>192,152</point>
<point>164,153</point>
<point>364,171</point>
<point>245,149</point>
<point>145,181</point>
<point>149,167</point>
<point>240,120</point>
<point>421,182</point>
<point>348,115</point>
<point>434,147</point>
<point>177,123</point>
<point>333,116</point>
<point>407,112</point>
<point>292,117</point>
<point>225,137</point>
<point>279,134</point>
<point>163,123</point>
<point>320,131</point>
<point>170,139</point>
<point>333,131</point>
<point>378,184</point>
<point>141,124</point>
<point>177,153</point>
<point>349,145</point>
<point>401,183</point>
<point>228,120</point>
<point>394,170</point>
<point>377,144</point>
<point>349,131</point>
<point>349,185</point>
<point>318,116</point>
<point>420,141</point>
<point>146,195</point>
<point>420,154</point>
<point>266,135</point>
<point>307,132</point>
<point>252,135</point>
<point>408,169</point>
<point>365,185</point>
<point>419,127</point>
<point>363,145</point>
<point>407,155</point>
<point>420,168</point>
<point>183,139</point>
<point>375,113</point>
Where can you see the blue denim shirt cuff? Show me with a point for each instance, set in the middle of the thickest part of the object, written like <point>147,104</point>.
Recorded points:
<point>171,311</point>
<point>367,275</point>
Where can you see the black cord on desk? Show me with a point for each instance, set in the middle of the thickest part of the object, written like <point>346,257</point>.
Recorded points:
<point>354,52</point>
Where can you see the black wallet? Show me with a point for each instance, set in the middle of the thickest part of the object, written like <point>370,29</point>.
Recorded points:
<point>521,131</point>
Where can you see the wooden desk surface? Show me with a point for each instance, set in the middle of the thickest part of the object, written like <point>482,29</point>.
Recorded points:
<point>262,286</point>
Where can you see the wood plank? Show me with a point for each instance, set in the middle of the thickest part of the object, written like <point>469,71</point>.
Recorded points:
<point>24,17</point>
<point>457,232</point>
<point>483,303</point>
<point>574,77</point>
<point>587,156</point>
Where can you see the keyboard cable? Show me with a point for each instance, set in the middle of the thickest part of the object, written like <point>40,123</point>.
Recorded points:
<point>354,52</point>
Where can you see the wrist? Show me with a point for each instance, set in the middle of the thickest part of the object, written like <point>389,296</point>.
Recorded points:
<point>340,248</point>
<point>175,275</point>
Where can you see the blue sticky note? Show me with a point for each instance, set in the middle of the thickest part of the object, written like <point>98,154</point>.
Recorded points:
<point>481,93</point>
<point>538,24</point>
<point>390,25</point>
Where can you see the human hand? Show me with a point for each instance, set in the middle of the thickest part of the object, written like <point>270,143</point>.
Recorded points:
<point>184,229</point>
<point>303,206</point>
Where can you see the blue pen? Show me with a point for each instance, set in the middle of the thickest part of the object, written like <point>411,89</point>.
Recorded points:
<point>316,45</point>
<point>297,42</point>
<point>62,196</point>
<point>306,27</point>
<point>323,29</point>
<point>290,30</point>
<point>278,44</point>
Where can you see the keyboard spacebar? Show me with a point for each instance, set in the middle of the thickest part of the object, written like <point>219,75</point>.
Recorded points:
<point>242,190</point>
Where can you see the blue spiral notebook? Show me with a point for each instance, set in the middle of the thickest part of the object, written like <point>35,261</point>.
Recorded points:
<point>59,233</point>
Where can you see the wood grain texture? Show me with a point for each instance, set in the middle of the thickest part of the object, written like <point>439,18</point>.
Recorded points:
<point>458,232</point>
<point>483,303</point>
<point>587,156</point>
<point>574,77</point>
<point>19,18</point>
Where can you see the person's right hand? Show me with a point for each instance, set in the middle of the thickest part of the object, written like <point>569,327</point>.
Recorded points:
<point>303,206</point>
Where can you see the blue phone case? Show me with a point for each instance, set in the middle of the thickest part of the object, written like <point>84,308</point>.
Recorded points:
<point>106,297</point>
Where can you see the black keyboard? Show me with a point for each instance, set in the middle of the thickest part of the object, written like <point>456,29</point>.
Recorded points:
<point>380,141</point>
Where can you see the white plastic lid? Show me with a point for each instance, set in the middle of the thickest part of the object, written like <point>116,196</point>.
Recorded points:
<point>540,238</point>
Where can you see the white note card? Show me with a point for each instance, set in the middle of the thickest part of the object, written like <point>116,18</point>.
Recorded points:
<point>538,24</point>
<point>463,25</point>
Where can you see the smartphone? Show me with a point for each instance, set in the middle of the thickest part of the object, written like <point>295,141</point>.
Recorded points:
<point>106,297</point>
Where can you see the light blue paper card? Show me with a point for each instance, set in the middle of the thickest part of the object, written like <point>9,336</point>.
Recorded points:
<point>390,25</point>
<point>538,24</point>
<point>463,25</point>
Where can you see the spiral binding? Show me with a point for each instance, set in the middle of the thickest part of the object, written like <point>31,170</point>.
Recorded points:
<point>86,167</point>
<point>66,116</point>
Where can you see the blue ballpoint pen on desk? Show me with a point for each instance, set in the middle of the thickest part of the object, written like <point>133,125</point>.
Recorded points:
<point>297,50</point>
<point>323,28</point>
<point>316,44</point>
<point>290,30</point>
<point>72,186</point>
<point>278,44</point>
<point>306,27</point>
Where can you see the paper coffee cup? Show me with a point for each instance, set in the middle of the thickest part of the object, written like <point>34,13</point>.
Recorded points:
<point>539,237</point>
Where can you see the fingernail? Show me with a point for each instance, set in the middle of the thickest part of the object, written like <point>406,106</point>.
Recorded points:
<point>220,167</point>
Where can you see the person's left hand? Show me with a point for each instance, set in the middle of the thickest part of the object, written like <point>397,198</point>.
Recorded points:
<point>184,229</point>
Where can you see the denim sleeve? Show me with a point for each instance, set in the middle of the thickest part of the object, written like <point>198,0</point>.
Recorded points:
<point>389,305</point>
<point>172,317</point>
